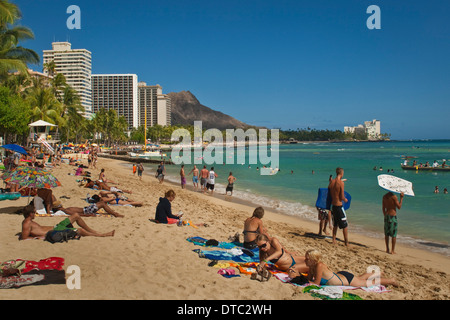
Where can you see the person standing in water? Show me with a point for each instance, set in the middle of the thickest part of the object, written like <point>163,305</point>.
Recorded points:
<point>390,206</point>
<point>336,189</point>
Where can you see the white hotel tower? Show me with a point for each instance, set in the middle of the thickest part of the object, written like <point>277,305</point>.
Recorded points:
<point>75,65</point>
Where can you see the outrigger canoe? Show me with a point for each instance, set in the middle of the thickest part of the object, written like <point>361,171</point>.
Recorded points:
<point>434,169</point>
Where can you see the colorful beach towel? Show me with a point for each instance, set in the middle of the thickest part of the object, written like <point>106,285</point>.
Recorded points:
<point>45,271</point>
<point>283,277</point>
<point>230,251</point>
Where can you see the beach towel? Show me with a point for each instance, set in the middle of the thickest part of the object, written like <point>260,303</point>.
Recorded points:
<point>226,255</point>
<point>45,271</point>
<point>199,241</point>
<point>43,213</point>
<point>330,293</point>
<point>283,277</point>
<point>34,277</point>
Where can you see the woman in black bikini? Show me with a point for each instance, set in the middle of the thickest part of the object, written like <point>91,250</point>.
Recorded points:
<point>320,274</point>
<point>252,227</point>
<point>272,251</point>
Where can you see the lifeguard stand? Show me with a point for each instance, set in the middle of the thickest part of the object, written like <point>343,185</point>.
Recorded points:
<point>40,133</point>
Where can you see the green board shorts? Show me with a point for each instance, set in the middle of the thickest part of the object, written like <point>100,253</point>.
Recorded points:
<point>63,225</point>
<point>390,226</point>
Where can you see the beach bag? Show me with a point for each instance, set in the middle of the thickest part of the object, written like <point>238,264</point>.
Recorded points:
<point>55,236</point>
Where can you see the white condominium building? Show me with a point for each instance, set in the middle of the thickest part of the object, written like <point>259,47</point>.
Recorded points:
<point>75,65</point>
<point>154,106</point>
<point>371,128</point>
<point>118,92</point>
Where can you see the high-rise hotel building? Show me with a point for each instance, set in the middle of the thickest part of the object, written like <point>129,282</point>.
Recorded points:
<point>75,65</point>
<point>154,106</point>
<point>118,92</point>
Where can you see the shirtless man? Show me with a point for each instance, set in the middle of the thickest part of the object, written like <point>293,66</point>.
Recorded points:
<point>194,176</point>
<point>182,177</point>
<point>203,178</point>
<point>390,206</point>
<point>336,189</point>
<point>33,230</point>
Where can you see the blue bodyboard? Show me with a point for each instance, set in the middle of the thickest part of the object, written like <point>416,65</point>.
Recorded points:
<point>324,199</point>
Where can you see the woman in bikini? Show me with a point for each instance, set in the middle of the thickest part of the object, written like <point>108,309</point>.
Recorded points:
<point>272,251</point>
<point>252,227</point>
<point>321,275</point>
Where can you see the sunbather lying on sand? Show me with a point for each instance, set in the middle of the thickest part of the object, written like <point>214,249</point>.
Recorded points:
<point>113,197</point>
<point>92,209</point>
<point>320,274</point>
<point>103,186</point>
<point>33,230</point>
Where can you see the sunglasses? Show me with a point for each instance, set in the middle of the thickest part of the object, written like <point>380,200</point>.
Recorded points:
<point>262,246</point>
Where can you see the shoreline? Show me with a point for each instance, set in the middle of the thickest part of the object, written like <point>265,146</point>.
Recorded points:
<point>407,241</point>
<point>150,261</point>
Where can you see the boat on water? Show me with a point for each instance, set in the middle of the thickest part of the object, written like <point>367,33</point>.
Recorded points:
<point>429,168</point>
<point>147,155</point>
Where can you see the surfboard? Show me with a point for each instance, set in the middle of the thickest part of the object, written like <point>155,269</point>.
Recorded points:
<point>324,199</point>
<point>395,184</point>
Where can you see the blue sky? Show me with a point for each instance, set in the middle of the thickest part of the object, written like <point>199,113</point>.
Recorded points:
<point>281,64</point>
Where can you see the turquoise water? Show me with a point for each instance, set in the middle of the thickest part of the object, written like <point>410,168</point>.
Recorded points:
<point>423,219</point>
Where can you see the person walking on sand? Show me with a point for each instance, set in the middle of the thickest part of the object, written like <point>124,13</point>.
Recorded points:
<point>140,169</point>
<point>390,206</point>
<point>195,174</point>
<point>336,189</point>
<point>134,169</point>
<point>182,177</point>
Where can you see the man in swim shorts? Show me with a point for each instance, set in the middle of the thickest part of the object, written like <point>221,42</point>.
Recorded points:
<point>33,230</point>
<point>390,206</point>
<point>336,190</point>
<point>195,173</point>
<point>203,178</point>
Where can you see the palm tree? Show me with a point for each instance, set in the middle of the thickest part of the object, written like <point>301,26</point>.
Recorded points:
<point>12,56</point>
<point>44,105</point>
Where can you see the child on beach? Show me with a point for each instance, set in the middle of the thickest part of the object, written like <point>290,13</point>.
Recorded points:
<point>324,218</point>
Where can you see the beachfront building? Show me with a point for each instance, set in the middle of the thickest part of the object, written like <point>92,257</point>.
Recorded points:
<point>154,106</point>
<point>370,128</point>
<point>118,92</point>
<point>76,66</point>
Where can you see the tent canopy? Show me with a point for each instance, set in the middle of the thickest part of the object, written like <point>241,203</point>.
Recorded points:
<point>41,123</point>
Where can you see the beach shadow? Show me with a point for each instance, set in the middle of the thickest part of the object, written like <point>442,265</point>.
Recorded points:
<point>316,236</point>
<point>12,210</point>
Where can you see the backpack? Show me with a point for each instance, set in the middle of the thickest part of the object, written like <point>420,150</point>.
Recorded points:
<point>65,235</point>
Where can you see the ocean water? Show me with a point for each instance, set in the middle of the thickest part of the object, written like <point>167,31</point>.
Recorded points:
<point>423,220</point>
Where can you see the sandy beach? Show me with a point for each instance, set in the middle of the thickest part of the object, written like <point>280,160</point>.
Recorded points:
<point>145,260</point>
